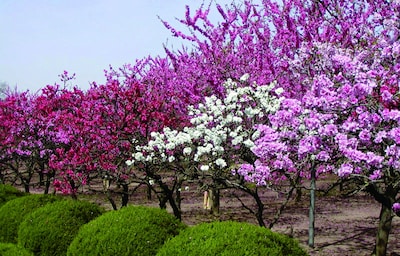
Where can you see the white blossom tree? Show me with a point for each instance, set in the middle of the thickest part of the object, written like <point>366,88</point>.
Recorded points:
<point>220,138</point>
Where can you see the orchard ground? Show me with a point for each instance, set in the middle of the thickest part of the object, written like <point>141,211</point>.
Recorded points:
<point>345,225</point>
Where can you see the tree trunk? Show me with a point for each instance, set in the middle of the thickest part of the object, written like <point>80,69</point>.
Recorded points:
<point>311,227</point>
<point>382,236</point>
<point>213,196</point>
<point>125,195</point>
<point>149,192</point>
<point>260,209</point>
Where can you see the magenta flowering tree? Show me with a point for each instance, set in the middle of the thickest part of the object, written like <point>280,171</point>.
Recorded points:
<point>15,109</point>
<point>105,124</point>
<point>32,134</point>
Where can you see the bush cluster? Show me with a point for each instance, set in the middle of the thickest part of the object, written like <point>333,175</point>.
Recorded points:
<point>132,230</point>
<point>13,212</point>
<point>230,238</point>
<point>10,249</point>
<point>8,192</point>
<point>50,229</point>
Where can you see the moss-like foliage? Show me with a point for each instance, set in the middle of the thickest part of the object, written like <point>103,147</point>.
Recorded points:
<point>9,249</point>
<point>133,230</point>
<point>8,192</point>
<point>13,212</point>
<point>230,238</point>
<point>50,229</point>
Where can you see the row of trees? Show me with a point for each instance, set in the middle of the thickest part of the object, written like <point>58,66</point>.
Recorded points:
<point>281,91</point>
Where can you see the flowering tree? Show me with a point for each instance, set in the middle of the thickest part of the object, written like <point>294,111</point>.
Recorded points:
<point>107,120</point>
<point>346,121</point>
<point>338,53</point>
<point>220,137</point>
<point>14,131</point>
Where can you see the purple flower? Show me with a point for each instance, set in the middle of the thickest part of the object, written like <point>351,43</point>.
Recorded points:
<point>380,136</point>
<point>395,135</point>
<point>328,130</point>
<point>365,135</point>
<point>375,175</point>
<point>396,208</point>
<point>323,156</point>
<point>312,123</point>
<point>345,170</point>
<point>386,96</point>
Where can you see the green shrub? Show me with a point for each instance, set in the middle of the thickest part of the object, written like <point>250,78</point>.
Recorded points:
<point>230,238</point>
<point>50,229</point>
<point>9,249</point>
<point>133,230</point>
<point>8,192</point>
<point>13,212</point>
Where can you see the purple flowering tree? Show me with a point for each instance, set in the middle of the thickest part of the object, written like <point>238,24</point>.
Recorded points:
<point>347,119</point>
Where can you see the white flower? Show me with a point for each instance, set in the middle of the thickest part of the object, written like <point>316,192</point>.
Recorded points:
<point>248,143</point>
<point>187,188</point>
<point>129,162</point>
<point>171,159</point>
<point>139,156</point>
<point>279,91</point>
<point>256,135</point>
<point>204,168</point>
<point>187,151</point>
<point>237,119</point>
<point>220,162</point>
<point>244,78</point>
<point>170,146</point>
<point>151,182</point>
<point>237,140</point>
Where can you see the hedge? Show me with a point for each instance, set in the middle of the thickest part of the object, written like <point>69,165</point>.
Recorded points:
<point>50,229</point>
<point>230,238</point>
<point>132,230</point>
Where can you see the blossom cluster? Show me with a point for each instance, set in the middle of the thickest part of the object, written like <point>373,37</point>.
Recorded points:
<point>219,128</point>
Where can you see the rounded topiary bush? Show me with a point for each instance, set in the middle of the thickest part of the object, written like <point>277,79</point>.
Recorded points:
<point>13,212</point>
<point>230,238</point>
<point>8,192</point>
<point>133,230</point>
<point>9,249</point>
<point>50,229</point>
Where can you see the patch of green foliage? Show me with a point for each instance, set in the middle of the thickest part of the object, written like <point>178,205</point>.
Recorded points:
<point>132,230</point>
<point>13,212</point>
<point>8,192</point>
<point>49,230</point>
<point>230,238</point>
<point>9,249</point>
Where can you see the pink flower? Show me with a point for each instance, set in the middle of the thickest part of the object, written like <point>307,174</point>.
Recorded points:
<point>345,170</point>
<point>396,208</point>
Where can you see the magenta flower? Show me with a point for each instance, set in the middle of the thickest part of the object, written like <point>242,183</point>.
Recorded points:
<point>396,208</point>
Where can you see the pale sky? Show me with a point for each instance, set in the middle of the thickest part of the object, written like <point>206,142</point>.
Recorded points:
<point>42,38</point>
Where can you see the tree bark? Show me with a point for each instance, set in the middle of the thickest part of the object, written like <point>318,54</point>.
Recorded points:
<point>384,227</point>
<point>311,227</point>
<point>125,195</point>
<point>214,201</point>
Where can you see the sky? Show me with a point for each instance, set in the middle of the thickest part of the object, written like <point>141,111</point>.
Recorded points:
<point>42,38</point>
